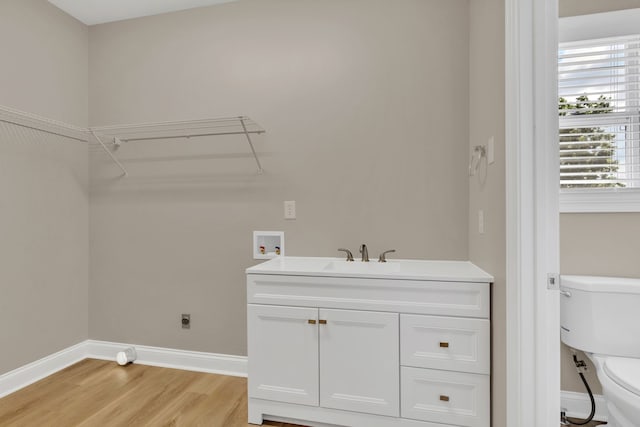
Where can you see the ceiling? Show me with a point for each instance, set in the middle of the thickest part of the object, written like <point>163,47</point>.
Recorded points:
<point>93,12</point>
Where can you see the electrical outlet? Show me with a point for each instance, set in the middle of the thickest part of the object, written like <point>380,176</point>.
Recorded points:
<point>290,209</point>
<point>186,321</point>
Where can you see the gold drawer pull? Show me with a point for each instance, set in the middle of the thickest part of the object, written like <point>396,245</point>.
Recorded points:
<point>323,322</point>
<point>444,398</point>
<point>311,322</point>
<point>444,345</point>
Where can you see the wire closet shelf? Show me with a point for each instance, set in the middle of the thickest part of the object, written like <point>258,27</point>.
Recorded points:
<point>110,138</point>
<point>42,124</point>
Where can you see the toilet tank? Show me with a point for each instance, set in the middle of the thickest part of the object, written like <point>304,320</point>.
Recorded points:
<point>601,314</point>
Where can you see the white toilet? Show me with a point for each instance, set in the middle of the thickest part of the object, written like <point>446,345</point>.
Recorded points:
<point>601,316</point>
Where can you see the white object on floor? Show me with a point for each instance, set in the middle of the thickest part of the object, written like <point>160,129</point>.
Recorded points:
<point>599,315</point>
<point>126,356</point>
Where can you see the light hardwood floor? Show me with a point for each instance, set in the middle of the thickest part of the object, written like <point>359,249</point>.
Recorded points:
<point>100,393</point>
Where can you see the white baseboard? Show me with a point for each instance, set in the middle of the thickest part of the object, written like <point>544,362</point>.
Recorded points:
<point>212,363</point>
<point>153,356</point>
<point>35,371</point>
<point>578,405</point>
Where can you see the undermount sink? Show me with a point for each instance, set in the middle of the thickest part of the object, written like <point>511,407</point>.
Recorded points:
<point>363,267</point>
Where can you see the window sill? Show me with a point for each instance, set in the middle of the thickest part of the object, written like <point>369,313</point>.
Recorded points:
<point>590,201</point>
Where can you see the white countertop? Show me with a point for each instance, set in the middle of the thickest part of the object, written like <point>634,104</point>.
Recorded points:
<point>406,269</point>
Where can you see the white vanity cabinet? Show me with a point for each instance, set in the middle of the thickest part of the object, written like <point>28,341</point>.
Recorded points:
<point>405,345</point>
<point>350,357</point>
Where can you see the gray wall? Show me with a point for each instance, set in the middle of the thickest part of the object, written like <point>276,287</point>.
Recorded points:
<point>487,188</point>
<point>600,244</point>
<point>367,112</point>
<point>43,185</point>
<point>586,7</point>
<point>365,103</point>
<point>596,244</point>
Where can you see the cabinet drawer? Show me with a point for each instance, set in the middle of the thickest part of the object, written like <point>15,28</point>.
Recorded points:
<point>445,397</point>
<point>454,344</point>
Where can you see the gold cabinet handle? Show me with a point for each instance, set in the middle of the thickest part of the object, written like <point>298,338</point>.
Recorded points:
<point>444,398</point>
<point>444,345</point>
<point>311,321</point>
<point>323,322</point>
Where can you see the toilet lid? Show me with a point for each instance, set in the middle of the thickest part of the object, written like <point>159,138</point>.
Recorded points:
<point>625,372</point>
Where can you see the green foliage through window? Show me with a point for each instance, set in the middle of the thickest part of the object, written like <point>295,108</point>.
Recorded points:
<point>587,154</point>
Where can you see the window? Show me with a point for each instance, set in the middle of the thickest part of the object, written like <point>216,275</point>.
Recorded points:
<point>599,138</point>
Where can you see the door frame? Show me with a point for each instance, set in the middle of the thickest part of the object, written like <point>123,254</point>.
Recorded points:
<point>532,195</point>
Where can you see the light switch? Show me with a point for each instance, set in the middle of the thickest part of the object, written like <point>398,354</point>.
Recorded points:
<point>491,150</point>
<point>481,221</point>
<point>290,209</point>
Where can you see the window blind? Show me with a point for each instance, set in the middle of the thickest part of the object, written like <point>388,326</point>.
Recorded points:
<point>599,104</point>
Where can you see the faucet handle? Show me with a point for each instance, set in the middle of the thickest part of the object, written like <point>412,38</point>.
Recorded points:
<point>349,254</point>
<point>365,253</point>
<point>382,257</point>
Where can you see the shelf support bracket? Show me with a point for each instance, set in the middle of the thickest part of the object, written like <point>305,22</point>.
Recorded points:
<point>104,147</point>
<point>253,150</point>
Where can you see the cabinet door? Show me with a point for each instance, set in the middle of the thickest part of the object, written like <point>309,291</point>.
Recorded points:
<point>283,353</point>
<point>359,361</point>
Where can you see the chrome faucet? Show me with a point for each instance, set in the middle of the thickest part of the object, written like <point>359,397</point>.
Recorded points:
<point>364,252</point>
<point>382,257</point>
<point>349,254</point>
